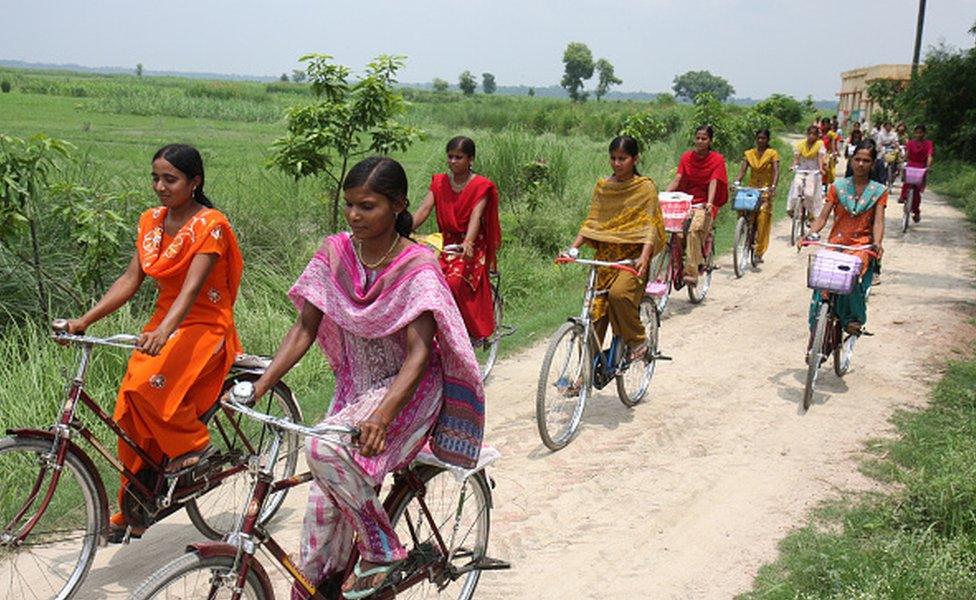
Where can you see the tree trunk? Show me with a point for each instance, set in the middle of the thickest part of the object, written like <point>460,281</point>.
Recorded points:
<point>338,195</point>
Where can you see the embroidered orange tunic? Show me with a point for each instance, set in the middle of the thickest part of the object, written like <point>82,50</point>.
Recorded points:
<point>162,397</point>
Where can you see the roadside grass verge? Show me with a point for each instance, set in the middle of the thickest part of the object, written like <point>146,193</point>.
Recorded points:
<point>919,540</point>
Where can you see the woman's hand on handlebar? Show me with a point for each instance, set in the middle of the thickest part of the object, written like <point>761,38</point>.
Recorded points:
<point>879,250</point>
<point>372,435</point>
<point>152,342</point>
<point>641,265</point>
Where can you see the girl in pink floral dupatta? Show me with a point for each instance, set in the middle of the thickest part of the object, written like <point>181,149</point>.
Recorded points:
<point>381,310</point>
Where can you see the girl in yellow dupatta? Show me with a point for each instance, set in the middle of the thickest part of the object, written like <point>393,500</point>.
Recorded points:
<point>624,222</point>
<point>764,163</point>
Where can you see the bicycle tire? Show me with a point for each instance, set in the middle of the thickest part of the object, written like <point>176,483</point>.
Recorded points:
<point>662,266</point>
<point>699,291</point>
<point>796,229</point>
<point>215,513</point>
<point>815,354</point>
<point>488,353</point>
<point>907,210</point>
<point>740,254</point>
<point>443,507</point>
<point>184,566</point>
<point>568,375</point>
<point>645,368</point>
<point>753,228</point>
<point>19,458</point>
<point>844,355</point>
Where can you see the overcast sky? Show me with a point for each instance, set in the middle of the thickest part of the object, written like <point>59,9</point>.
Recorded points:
<point>760,46</point>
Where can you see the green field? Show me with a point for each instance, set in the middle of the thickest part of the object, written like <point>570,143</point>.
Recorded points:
<point>116,123</point>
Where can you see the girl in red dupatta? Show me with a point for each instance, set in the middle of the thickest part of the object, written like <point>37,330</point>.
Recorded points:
<point>702,174</point>
<point>467,215</point>
<point>405,371</point>
<point>190,342</point>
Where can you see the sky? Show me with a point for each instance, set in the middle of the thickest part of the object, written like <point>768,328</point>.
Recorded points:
<point>760,46</point>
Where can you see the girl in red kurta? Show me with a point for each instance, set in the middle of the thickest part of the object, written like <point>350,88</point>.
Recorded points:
<point>920,152</point>
<point>467,215</point>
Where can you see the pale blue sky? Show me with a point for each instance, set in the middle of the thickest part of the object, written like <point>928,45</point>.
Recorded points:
<point>760,46</point>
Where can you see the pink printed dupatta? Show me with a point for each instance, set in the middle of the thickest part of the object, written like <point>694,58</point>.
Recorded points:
<point>409,286</point>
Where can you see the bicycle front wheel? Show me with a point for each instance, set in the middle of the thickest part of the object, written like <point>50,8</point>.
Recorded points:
<point>53,559</point>
<point>635,379</point>
<point>740,249</point>
<point>192,576</point>
<point>815,354</point>
<point>564,385</point>
<point>461,512</point>
<point>698,291</point>
<point>486,351</point>
<point>907,211</point>
<point>238,438</point>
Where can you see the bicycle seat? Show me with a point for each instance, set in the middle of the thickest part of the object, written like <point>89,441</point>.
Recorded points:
<point>488,456</point>
<point>252,361</point>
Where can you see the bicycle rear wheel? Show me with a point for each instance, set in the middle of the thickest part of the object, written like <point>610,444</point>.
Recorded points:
<point>54,558</point>
<point>815,354</point>
<point>466,505</point>
<point>193,576</point>
<point>238,438</point>
<point>565,368</point>
<point>740,248</point>
<point>635,379</point>
<point>906,218</point>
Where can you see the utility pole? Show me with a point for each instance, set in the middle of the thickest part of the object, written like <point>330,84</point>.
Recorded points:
<point>918,37</point>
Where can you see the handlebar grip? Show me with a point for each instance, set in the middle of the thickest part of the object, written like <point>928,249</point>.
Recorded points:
<point>242,392</point>
<point>59,325</point>
<point>562,260</point>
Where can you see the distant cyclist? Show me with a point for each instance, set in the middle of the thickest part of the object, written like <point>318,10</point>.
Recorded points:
<point>920,152</point>
<point>763,161</point>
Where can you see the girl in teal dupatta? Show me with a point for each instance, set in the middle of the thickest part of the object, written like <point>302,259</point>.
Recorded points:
<point>858,207</point>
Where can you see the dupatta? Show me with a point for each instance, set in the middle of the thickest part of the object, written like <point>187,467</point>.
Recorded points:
<point>409,286</point>
<point>454,210</point>
<point>809,150</point>
<point>697,173</point>
<point>625,213</point>
<point>855,204</point>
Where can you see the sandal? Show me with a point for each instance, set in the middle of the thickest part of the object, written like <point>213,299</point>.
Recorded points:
<point>185,463</point>
<point>638,352</point>
<point>854,328</point>
<point>358,594</point>
<point>689,280</point>
<point>569,390</point>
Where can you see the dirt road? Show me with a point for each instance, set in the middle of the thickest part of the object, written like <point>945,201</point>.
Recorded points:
<point>686,495</point>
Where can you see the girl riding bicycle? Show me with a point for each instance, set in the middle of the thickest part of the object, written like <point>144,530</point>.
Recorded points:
<point>810,155</point>
<point>920,153</point>
<point>190,342</point>
<point>624,222</point>
<point>764,164</point>
<point>380,309</point>
<point>858,205</point>
<point>467,215</point>
<point>702,174</point>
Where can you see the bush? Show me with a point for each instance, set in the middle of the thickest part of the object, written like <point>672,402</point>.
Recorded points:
<point>650,127</point>
<point>5,86</point>
<point>786,109</point>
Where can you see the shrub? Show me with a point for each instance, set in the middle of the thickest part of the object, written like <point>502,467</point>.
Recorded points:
<point>5,86</point>
<point>787,109</point>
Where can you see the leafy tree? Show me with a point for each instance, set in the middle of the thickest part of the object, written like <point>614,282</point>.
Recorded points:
<point>284,77</point>
<point>138,69</point>
<point>467,83</point>
<point>347,121</point>
<point>606,78</point>
<point>785,108</point>
<point>885,93</point>
<point>665,99</point>
<point>440,86</point>
<point>5,86</point>
<point>578,61</point>
<point>488,83</point>
<point>298,75</point>
<point>693,83</point>
<point>531,92</point>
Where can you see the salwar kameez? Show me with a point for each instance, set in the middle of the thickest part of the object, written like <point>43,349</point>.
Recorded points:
<point>761,174</point>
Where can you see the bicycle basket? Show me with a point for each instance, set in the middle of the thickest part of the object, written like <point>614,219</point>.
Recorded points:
<point>675,207</point>
<point>835,272</point>
<point>747,199</point>
<point>891,156</point>
<point>914,175</point>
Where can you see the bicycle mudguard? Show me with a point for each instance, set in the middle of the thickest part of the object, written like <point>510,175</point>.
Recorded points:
<point>39,434</point>
<point>214,549</point>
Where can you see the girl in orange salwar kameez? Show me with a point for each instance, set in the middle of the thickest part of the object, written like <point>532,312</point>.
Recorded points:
<point>190,342</point>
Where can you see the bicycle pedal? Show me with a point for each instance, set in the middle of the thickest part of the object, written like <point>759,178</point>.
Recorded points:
<point>660,356</point>
<point>492,564</point>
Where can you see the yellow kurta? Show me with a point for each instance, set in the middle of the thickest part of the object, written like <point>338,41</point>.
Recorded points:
<point>761,174</point>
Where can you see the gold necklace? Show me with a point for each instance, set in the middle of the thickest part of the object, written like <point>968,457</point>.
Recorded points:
<point>459,187</point>
<point>358,246</point>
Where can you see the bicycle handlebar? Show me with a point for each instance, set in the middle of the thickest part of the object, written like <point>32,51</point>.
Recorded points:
<point>738,186</point>
<point>806,171</point>
<point>120,340</point>
<point>455,249</point>
<point>243,392</point>
<point>623,265</point>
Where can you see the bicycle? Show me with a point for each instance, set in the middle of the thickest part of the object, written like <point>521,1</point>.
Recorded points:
<point>486,349</point>
<point>892,158</point>
<point>668,267</point>
<point>747,203</point>
<point>570,370</point>
<point>441,564</point>
<point>914,176</point>
<point>801,216</point>
<point>832,274</point>
<point>55,509</point>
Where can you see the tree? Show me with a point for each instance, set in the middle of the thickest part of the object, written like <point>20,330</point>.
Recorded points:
<point>606,78</point>
<point>440,86</point>
<point>346,121</point>
<point>693,83</point>
<point>284,77</point>
<point>488,83</point>
<point>787,109</point>
<point>298,75</point>
<point>467,83</point>
<point>578,61</point>
<point>531,92</point>
<point>138,69</point>
<point>885,93</point>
